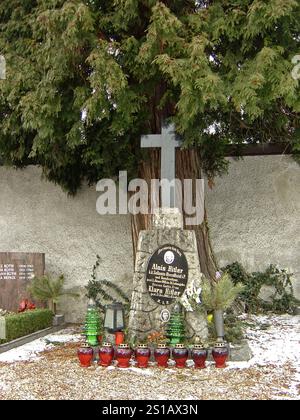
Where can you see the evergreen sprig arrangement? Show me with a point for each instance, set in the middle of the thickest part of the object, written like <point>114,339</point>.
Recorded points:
<point>221,294</point>
<point>103,291</point>
<point>46,289</point>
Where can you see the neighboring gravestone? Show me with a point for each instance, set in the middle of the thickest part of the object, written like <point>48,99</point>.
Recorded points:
<point>167,264</point>
<point>16,271</point>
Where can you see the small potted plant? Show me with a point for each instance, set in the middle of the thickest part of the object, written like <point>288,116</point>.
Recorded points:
<point>48,290</point>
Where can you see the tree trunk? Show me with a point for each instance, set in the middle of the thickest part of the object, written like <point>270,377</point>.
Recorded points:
<point>187,167</point>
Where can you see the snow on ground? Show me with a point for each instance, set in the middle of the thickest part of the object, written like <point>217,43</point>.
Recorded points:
<point>24,353</point>
<point>272,373</point>
<point>279,344</point>
<point>273,340</point>
<point>33,350</point>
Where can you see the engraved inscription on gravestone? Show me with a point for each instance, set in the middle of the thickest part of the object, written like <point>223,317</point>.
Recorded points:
<point>16,271</point>
<point>167,275</point>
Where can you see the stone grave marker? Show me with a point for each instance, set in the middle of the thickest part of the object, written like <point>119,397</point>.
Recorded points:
<point>167,262</point>
<point>167,265</point>
<point>16,271</point>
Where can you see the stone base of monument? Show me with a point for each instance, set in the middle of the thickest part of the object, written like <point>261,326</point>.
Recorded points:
<point>237,352</point>
<point>58,320</point>
<point>167,265</point>
<point>297,310</point>
<point>240,352</point>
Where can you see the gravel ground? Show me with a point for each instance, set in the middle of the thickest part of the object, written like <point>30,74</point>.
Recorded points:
<point>54,373</point>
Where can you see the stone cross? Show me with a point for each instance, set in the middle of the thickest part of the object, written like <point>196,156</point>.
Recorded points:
<point>168,143</point>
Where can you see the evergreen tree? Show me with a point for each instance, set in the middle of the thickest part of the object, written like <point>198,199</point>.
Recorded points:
<point>85,78</point>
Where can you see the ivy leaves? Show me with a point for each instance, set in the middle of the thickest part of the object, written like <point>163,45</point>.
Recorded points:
<point>282,299</point>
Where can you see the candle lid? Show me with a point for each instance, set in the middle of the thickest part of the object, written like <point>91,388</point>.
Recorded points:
<point>198,346</point>
<point>123,346</point>
<point>221,344</point>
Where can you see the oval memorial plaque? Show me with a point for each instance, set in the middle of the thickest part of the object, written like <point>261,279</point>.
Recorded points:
<point>167,275</point>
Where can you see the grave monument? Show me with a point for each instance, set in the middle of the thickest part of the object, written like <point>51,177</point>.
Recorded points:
<point>167,263</point>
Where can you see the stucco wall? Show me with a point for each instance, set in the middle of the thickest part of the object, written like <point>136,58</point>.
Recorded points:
<point>253,215</point>
<point>37,216</point>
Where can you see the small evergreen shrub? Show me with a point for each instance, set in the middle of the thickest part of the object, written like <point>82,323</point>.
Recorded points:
<point>19,325</point>
<point>48,290</point>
